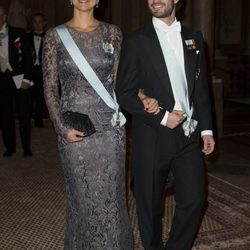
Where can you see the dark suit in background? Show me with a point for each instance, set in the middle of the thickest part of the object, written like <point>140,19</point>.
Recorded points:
<point>155,148</point>
<point>37,76</point>
<point>20,61</point>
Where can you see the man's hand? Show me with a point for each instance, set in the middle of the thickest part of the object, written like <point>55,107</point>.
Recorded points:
<point>151,105</point>
<point>175,118</point>
<point>24,85</point>
<point>74,136</point>
<point>209,144</point>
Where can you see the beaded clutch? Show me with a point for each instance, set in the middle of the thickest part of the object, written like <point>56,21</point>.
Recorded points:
<point>78,121</point>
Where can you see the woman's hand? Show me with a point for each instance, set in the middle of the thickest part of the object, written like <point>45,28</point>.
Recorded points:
<point>151,105</point>
<point>74,136</point>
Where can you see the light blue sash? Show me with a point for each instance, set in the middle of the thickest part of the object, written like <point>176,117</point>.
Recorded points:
<point>179,84</point>
<point>118,119</point>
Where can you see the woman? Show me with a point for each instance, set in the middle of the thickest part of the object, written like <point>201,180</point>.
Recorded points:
<point>96,216</point>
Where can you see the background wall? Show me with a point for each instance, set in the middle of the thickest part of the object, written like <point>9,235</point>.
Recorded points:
<point>226,29</point>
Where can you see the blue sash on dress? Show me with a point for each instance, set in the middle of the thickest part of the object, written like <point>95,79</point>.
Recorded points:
<point>118,119</point>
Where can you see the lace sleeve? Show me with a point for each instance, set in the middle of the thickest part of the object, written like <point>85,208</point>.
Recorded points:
<point>51,81</point>
<point>117,36</point>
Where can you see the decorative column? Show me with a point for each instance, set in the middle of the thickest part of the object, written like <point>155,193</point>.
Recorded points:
<point>17,14</point>
<point>64,11</point>
<point>248,31</point>
<point>202,17</point>
<point>129,15</point>
<point>203,13</point>
<point>247,53</point>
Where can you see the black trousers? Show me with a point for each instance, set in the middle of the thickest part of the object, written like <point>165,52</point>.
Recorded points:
<point>183,156</point>
<point>38,96</point>
<point>11,100</point>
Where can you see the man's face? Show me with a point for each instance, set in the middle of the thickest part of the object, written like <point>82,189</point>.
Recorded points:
<point>162,8</point>
<point>39,23</point>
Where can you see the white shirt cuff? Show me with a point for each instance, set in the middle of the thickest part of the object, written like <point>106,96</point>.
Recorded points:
<point>206,132</point>
<point>165,119</point>
<point>27,81</point>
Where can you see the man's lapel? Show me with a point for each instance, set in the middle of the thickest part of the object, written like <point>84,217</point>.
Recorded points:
<point>154,51</point>
<point>32,41</point>
<point>41,50</point>
<point>11,43</point>
<point>190,57</point>
<point>157,58</point>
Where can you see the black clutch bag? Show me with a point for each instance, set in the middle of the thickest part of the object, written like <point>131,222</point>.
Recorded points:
<point>78,121</point>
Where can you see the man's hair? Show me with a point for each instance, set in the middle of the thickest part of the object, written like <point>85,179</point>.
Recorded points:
<point>179,4</point>
<point>39,14</point>
<point>2,11</point>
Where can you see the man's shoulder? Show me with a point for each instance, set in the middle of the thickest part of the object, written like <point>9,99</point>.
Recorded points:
<point>139,33</point>
<point>16,34</point>
<point>16,30</point>
<point>191,33</point>
<point>30,34</point>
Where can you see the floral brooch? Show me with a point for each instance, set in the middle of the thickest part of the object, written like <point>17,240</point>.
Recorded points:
<point>108,47</point>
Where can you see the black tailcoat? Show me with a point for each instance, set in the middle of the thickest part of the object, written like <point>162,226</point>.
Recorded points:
<point>21,62</point>
<point>155,147</point>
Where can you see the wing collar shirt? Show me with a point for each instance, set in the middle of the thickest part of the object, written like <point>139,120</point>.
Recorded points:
<point>172,35</point>
<point>37,43</point>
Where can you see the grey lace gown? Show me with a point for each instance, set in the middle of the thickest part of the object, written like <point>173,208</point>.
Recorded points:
<point>96,215</point>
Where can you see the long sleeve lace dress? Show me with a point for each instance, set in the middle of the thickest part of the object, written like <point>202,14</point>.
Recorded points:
<point>94,169</point>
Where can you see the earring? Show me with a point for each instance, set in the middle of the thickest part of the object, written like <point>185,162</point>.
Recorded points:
<point>71,3</point>
<point>97,3</point>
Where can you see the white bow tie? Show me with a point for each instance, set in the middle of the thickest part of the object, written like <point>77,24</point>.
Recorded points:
<point>174,27</point>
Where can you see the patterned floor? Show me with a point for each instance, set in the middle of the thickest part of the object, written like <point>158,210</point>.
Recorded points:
<point>32,205</point>
<point>226,222</point>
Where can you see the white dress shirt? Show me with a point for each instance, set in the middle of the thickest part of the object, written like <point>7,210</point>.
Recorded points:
<point>174,39</point>
<point>37,44</point>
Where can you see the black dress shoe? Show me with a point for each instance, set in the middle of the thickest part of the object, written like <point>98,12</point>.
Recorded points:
<point>27,153</point>
<point>8,153</point>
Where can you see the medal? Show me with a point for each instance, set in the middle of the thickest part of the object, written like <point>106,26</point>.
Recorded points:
<point>117,121</point>
<point>190,128</point>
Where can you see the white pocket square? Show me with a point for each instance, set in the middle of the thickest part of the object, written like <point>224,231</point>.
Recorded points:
<point>17,40</point>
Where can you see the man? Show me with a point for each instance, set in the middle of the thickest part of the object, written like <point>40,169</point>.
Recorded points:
<point>15,80</point>
<point>167,61</point>
<point>36,41</point>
